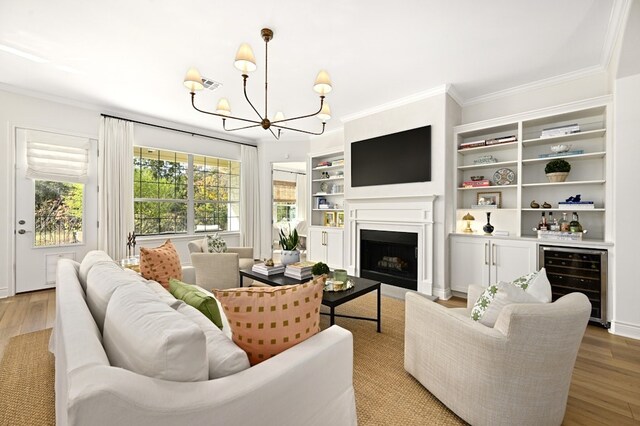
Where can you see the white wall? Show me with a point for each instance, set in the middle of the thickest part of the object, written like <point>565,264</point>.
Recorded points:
<point>25,110</point>
<point>273,151</point>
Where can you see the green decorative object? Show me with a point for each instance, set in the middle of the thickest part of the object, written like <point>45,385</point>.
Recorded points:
<point>289,242</point>
<point>557,166</point>
<point>320,269</point>
<point>191,295</point>
<point>340,275</point>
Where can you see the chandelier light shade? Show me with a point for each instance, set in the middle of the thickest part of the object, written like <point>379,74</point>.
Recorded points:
<point>245,62</point>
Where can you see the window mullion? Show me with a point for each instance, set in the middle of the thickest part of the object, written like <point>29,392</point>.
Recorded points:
<point>190,196</point>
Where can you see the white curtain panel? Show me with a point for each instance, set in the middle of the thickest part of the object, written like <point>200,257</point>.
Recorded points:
<point>116,186</point>
<point>302,197</point>
<point>249,198</point>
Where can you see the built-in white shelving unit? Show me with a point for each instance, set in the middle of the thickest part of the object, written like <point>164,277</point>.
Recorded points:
<point>589,176</point>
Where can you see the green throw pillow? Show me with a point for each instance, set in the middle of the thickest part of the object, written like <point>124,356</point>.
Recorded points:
<point>191,295</point>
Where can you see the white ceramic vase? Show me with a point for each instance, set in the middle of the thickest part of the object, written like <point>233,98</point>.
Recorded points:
<point>289,256</point>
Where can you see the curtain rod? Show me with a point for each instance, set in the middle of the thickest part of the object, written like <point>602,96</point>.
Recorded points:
<point>289,171</point>
<point>177,130</point>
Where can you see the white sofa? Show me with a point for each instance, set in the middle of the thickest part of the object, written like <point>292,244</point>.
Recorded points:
<point>310,383</point>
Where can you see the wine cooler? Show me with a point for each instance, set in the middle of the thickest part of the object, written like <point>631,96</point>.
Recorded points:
<point>571,269</point>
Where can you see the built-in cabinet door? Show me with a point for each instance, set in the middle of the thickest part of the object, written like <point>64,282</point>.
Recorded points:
<point>334,245</point>
<point>511,259</point>
<point>316,250</point>
<point>469,262</point>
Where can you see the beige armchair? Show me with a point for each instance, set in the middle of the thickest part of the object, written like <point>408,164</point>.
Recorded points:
<point>219,270</point>
<point>517,373</point>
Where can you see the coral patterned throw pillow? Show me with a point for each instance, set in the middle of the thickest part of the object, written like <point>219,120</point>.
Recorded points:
<point>161,263</point>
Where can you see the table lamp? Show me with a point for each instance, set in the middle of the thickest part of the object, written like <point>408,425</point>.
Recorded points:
<point>468,218</point>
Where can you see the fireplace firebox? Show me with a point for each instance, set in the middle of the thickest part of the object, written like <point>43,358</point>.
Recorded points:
<point>390,257</point>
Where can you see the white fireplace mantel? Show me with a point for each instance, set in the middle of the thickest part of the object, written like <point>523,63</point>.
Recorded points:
<point>400,214</point>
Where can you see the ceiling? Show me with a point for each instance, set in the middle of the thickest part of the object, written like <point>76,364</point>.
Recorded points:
<point>131,56</point>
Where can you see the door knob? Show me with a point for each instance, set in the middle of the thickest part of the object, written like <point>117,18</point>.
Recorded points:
<point>22,231</point>
<point>21,222</point>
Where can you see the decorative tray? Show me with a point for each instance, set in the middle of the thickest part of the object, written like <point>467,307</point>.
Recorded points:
<point>328,286</point>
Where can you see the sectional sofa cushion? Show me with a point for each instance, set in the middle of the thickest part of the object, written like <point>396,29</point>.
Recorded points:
<point>163,294</point>
<point>268,320</point>
<point>89,260</point>
<point>160,263</point>
<point>103,279</point>
<point>145,335</point>
<point>192,295</point>
<point>224,356</point>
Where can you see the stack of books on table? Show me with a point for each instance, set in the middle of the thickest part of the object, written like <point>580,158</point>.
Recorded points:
<point>299,270</point>
<point>261,268</point>
<point>580,205</point>
<point>476,183</point>
<point>560,131</point>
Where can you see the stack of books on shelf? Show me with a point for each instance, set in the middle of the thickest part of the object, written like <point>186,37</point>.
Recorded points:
<point>566,129</point>
<point>476,183</point>
<point>487,142</point>
<point>561,154</point>
<point>501,139</point>
<point>324,164</point>
<point>338,162</point>
<point>580,205</point>
<point>299,270</point>
<point>261,268</point>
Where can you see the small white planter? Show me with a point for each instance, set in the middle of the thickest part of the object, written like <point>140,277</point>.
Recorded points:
<point>289,256</point>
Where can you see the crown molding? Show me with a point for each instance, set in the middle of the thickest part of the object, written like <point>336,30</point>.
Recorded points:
<point>438,90</point>
<point>551,81</point>
<point>617,20</point>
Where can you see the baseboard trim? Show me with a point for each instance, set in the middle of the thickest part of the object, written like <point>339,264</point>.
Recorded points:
<point>442,293</point>
<point>4,292</point>
<point>625,329</point>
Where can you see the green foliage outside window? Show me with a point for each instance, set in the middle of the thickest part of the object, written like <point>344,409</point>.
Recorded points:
<point>161,188</point>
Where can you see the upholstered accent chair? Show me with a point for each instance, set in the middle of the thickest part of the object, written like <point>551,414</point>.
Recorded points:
<point>516,373</point>
<point>219,270</point>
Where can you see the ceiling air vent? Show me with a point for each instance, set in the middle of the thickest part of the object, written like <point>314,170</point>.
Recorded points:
<point>210,84</point>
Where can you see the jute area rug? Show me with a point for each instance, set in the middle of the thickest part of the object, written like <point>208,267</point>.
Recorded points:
<point>27,381</point>
<point>385,393</point>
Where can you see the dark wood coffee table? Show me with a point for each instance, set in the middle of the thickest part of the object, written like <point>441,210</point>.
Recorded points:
<point>329,298</point>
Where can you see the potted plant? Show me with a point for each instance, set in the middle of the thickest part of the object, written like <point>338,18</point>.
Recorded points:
<point>557,170</point>
<point>289,243</point>
<point>320,270</point>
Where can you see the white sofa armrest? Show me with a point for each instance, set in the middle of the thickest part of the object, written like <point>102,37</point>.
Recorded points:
<point>310,383</point>
<point>243,252</point>
<point>188,274</point>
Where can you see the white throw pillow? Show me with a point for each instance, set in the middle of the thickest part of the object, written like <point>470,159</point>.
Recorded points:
<point>534,287</point>
<point>536,284</point>
<point>145,335</point>
<point>225,357</point>
<point>216,244</point>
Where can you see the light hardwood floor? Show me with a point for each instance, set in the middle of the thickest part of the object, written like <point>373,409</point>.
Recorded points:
<point>605,389</point>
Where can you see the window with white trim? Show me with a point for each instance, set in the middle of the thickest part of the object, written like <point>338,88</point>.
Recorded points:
<point>184,193</point>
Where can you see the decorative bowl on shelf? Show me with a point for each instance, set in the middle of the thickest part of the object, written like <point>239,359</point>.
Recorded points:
<point>562,147</point>
<point>477,178</point>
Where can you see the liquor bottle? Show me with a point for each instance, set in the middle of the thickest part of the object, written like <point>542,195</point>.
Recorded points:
<point>553,223</point>
<point>564,223</point>
<point>574,225</point>
<point>542,225</point>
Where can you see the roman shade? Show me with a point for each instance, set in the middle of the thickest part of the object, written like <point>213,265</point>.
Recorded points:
<point>52,156</point>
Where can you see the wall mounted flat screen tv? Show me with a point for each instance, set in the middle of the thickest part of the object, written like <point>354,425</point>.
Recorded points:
<point>403,157</point>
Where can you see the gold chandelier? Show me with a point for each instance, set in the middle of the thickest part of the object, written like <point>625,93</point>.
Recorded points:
<point>245,62</point>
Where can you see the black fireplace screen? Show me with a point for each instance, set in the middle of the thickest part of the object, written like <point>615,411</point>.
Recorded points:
<point>390,257</point>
